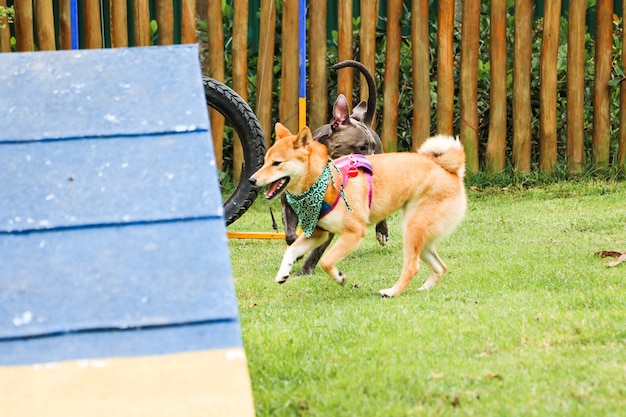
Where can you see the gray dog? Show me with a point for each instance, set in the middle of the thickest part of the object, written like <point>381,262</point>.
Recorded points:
<point>345,134</point>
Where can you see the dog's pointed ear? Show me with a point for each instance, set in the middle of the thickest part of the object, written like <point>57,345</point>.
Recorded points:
<point>340,111</point>
<point>304,138</point>
<point>281,131</point>
<point>359,111</point>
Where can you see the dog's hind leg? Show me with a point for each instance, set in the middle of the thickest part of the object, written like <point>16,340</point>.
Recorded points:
<point>413,244</point>
<point>297,249</point>
<point>347,242</point>
<point>437,267</point>
<point>314,257</point>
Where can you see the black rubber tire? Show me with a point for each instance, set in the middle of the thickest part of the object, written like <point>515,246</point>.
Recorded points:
<point>240,117</point>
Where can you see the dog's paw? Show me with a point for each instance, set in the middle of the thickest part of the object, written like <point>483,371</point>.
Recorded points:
<point>307,268</point>
<point>387,293</point>
<point>281,280</point>
<point>383,239</point>
<point>428,285</point>
<point>341,278</point>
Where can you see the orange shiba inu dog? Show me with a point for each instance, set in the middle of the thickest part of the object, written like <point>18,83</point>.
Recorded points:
<point>357,191</point>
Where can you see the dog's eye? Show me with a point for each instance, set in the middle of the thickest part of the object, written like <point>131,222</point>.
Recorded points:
<point>276,163</point>
<point>363,148</point>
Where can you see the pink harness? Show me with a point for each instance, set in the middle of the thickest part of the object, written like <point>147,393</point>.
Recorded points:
<point>349,167</point>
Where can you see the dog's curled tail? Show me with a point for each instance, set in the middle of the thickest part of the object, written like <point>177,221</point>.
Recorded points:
<point>447,151</point>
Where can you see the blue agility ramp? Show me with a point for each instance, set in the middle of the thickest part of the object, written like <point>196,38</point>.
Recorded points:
<point>116,292</point>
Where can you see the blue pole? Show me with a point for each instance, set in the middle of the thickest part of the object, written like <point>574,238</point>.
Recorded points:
<point>302,63</point>
<point>74,23</point>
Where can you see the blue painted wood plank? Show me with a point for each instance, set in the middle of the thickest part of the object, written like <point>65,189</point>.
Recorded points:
<point>128,343</point>
<point>112,239</point>
<point>91,93</point>
<point>115,278</point>
<point>107,181</point>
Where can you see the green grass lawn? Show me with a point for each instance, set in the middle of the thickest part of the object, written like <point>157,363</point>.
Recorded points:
<point>526,322</point>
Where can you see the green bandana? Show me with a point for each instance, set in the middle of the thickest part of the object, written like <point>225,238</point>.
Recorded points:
<point>309,204</point>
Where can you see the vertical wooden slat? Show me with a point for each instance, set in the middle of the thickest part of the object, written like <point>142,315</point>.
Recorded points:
<point>119,23</point>
<point>141,22</point>
<point>45,25</point>
<point>601,91</point>
<point>93,24</point>
<point>548,86</point>
<point>421,72</point>
<point>240,71</point>
<point>468,83</point>
<point>165,21</point>
<point>522,56</point>
<point>621,156</point>
<point>188,24</point>
<point>24,25</point>
<point>345,76</point>
<point>288,104</point>
<point>318,70</point>
<point>392,76</point>
<point>216,71</point>
<point>496,142</point>
<point>5,32</point>
<point>576,85</point>
<point>369,18</point>
<point>445,66</point>
<point>265,70</point>
<point>65,25</point>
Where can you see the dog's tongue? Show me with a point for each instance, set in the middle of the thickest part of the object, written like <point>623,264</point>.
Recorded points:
<point>273,187</point>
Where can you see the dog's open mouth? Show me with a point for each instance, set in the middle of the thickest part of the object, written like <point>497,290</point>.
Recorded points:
<point>276,188</point>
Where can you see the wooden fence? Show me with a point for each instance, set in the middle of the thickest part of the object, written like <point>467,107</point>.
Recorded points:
<point>493,155</point>
<point>496,150</point>
<point>46,24</point>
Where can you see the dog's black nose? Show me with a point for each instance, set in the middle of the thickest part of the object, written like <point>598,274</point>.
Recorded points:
<point>252,180</point>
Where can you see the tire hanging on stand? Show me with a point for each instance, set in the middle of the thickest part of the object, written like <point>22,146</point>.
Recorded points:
<point>238,115</point>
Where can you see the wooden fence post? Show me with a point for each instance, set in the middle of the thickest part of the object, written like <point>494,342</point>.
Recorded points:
<point>240,71</point>
<point>24,25</point>
<point>345,76</point>
<point>602,91</point>
<point>216,71</point>
<point>445,67</point>
<point>265,68</point>
<point>119,24</point>
<point>392,76</point>
<point>45,25</point>
<point>548,86</point>
<point>576,85</point>
<point>522,57</point>
<point>496,142</point>
<point>288,104</point>
<point>188,22</point>
<point>65,25</point>
<point>5,32</point>
<point>165,21</point>
<point>318,70</point>
<point>141,22</point>
<point>369,19</point>
<point>468,84</point>
<point>621,156</point>
<point>421,72</point>
<point>93,28</point>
